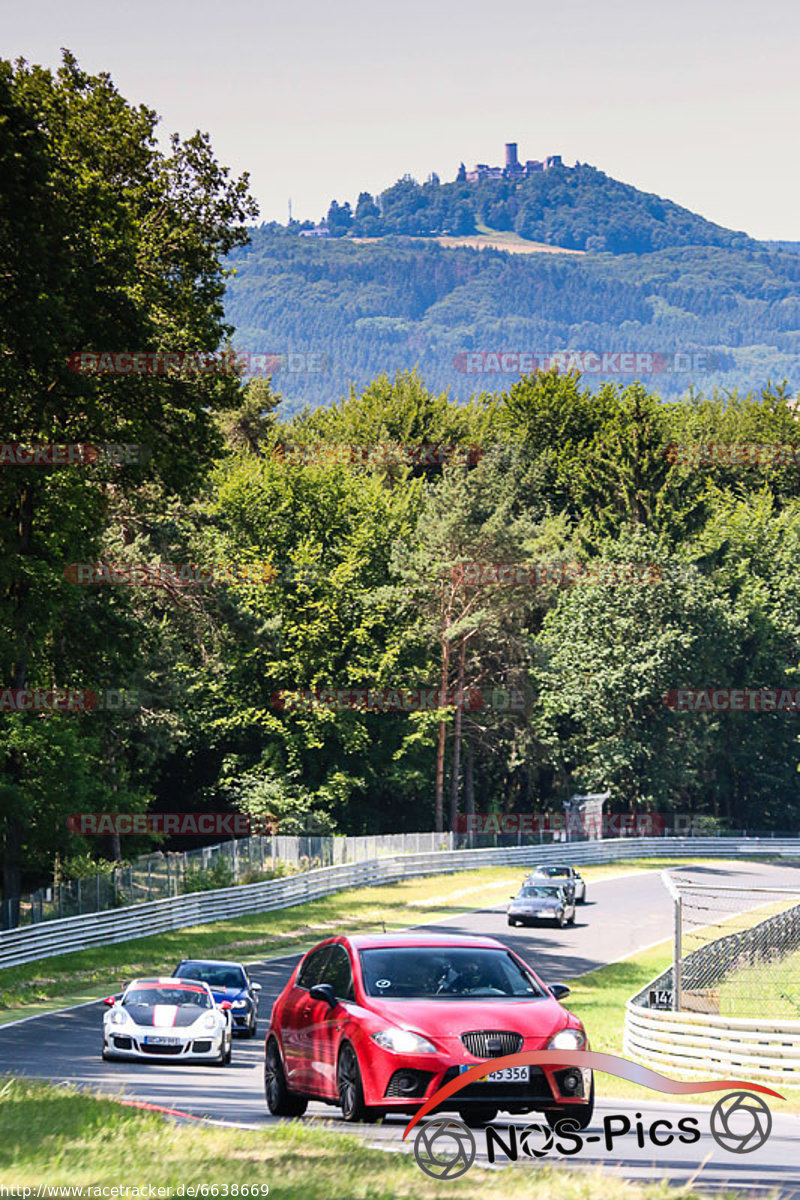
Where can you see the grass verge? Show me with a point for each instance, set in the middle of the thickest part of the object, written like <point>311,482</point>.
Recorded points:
<point>89,974</point>
<point>59,1136</point>
<point>776,983</point>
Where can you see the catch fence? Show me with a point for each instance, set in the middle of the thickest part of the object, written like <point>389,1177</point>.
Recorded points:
<point>730,1001</point>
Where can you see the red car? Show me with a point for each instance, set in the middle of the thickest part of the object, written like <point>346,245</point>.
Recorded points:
<point>377,1023</point>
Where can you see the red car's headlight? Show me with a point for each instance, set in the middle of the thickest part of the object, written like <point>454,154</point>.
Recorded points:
<point>403,1041</point>
<point>567,1039</point>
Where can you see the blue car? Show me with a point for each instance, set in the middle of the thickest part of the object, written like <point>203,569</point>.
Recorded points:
<point>228,981</point>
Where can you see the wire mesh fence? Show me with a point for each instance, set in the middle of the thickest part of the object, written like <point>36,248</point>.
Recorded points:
<point>736,951</point>
<point>251,859</point>
<point>238,861</point>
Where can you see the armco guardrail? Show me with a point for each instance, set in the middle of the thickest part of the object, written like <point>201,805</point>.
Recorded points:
<point>702,1044</point>
<point>51,938</point>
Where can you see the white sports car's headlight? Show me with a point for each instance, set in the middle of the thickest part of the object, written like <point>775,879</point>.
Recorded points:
<point>567,1039</point>
<point>209,1021</point>
<point>403,1041</point>
<point>118,1016</point>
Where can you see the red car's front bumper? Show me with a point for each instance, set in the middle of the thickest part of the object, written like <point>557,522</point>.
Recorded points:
<point>404,1081</point>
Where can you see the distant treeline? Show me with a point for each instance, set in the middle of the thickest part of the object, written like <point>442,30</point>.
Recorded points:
<point>718,316</point>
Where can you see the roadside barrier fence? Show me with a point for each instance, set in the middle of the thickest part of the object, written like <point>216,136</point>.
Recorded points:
<point>61,936</point>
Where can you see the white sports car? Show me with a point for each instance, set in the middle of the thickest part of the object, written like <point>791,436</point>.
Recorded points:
<point>167,1018</point>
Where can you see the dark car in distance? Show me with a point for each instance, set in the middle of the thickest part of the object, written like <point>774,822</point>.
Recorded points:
<point>228,981</point>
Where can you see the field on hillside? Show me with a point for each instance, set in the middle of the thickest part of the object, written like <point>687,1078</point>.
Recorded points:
<point>489,240</point>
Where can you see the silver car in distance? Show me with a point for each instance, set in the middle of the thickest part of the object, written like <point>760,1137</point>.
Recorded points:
<point>541,902</point>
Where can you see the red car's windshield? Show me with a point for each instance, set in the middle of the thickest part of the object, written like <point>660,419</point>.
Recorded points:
<point>445,972</point>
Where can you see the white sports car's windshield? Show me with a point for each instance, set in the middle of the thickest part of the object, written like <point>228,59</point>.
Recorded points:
<point>167,995</point>
<point>446,973</point>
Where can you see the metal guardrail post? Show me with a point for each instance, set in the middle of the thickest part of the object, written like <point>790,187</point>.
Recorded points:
<point>676,955</point>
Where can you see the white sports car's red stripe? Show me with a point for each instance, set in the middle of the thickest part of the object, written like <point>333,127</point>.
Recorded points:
<point>164,1014</point>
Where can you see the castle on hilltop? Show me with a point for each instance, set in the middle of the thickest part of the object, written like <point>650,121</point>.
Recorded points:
<point>513,169</point>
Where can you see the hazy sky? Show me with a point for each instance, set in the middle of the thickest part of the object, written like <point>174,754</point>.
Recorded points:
<point>696,100</point>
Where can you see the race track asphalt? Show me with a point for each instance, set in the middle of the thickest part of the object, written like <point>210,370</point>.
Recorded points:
<point>623,915</point>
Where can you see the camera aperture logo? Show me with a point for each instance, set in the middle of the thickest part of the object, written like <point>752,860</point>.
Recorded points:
<point>445,1148</point>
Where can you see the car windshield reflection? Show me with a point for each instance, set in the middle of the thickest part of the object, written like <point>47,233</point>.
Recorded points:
<point>166,995</point>
<point>447,973</point>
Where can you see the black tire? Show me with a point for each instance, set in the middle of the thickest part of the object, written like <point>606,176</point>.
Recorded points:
<point>106,1057</point>
<point>351,1091</point>
<point>280,1101</point>
<point>580,1113</point>
<point>511,921</point>
<point>562,920</point>
<point>228,1054</point>
<point>572,918</point>
<point>583,897</point>
<point>476,1118</point>
<point>253,1030</point>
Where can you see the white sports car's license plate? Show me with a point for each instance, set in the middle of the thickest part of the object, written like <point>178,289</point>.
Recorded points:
<point>507,1075</point>
<point>162,1041</point>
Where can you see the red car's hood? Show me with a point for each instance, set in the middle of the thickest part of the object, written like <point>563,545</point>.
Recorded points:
<point>451,1018</point>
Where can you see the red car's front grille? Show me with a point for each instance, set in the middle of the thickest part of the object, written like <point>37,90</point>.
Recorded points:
<point>492,1043</point>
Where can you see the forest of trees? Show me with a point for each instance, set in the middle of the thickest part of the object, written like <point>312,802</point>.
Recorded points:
<point>732,315</point>
<point>120,246</point>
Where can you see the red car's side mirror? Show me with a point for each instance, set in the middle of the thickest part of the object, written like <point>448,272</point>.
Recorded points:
<point>109,1000</point>
<point>225,1005</point>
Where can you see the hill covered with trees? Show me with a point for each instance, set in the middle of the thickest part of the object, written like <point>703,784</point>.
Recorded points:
<point>724,316</point>
<point>344,569</point>
<point>578,207</point>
